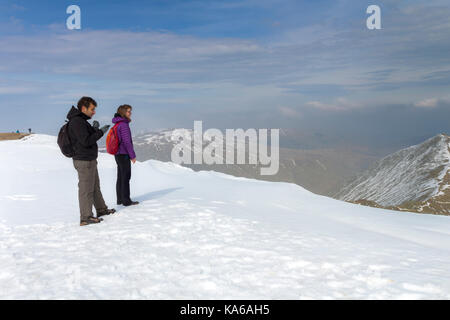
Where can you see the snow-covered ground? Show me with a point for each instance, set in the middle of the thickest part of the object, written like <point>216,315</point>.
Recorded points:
<point>204,235</point>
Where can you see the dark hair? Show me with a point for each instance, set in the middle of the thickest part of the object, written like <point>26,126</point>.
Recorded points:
<point>86,101</point>
<point>123,109</point>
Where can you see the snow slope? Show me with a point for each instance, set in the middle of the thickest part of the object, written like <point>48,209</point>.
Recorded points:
<point>204,235</point>
<point>414,174</point>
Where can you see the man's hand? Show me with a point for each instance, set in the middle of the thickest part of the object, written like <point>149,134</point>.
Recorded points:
<point>133,160</point>
<point>95,124</point>
<point>105,128</point>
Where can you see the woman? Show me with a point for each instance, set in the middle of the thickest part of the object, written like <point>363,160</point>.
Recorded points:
<point>125,154</point>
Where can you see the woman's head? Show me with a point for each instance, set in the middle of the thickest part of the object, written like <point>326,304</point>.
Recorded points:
<point>125,111</point>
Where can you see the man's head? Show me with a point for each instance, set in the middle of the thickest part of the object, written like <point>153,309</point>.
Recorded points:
<point>87,105</point>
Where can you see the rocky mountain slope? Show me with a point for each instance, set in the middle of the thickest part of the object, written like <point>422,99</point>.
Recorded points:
<point>413,179</point>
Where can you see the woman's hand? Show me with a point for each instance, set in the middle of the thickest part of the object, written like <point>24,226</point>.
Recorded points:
<point>133,160</point>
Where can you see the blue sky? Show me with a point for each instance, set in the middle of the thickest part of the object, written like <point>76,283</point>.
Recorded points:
<point>242,19</point>
<point>311,65</point>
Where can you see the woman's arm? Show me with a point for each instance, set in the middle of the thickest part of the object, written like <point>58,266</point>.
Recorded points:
<point>127,140</point>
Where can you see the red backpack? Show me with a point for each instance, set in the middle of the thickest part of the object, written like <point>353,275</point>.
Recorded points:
<point>112,140</point>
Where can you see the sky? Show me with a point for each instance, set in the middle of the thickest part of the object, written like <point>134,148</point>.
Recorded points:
<point>308,65</point>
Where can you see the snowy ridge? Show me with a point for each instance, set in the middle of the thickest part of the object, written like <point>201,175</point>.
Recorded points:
<point>164,137</point>
<point>160,137</point>
<point>162,143</point>
<point>415,173</point>
<point>204,235</point>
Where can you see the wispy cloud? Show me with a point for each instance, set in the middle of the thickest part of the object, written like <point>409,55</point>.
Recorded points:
<point>427,103</point>
<point>289,112</point>
<point>431,102</point>
<point>16,90</point>
<point>329,63</point>
<point>339,104</point>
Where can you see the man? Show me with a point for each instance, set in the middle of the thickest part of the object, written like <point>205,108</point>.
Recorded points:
<point>84,139</point>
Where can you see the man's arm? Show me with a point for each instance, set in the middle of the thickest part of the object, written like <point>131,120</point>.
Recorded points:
<point>82,135</point>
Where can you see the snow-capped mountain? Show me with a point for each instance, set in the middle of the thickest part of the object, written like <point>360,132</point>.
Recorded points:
<point>415,179</point>
<point>305,159</point>
<point>204,235</point>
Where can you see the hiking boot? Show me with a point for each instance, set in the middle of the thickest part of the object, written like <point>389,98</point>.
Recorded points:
<point>106,212</point>
<point>132,203</point>
<point>90,220</point>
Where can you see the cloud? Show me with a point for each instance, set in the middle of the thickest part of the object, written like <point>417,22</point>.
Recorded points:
<point>16,90</point>
<point>431,102</point>
<point>306,60</point>
<point>289,112</point>
<point>157,56</point>
<point>13,87</point>
<point>427,103</point>
<point>312,67</point>
<point>339,104</point>
<point>349,58</point>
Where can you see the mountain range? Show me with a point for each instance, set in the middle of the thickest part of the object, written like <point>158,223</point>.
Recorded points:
<point>316,162</point>
<point>414,178</point>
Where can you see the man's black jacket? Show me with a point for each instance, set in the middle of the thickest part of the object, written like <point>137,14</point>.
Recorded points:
<point>83,136</point>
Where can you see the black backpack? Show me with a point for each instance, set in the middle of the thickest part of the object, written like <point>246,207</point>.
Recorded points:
<point>64,142</point>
